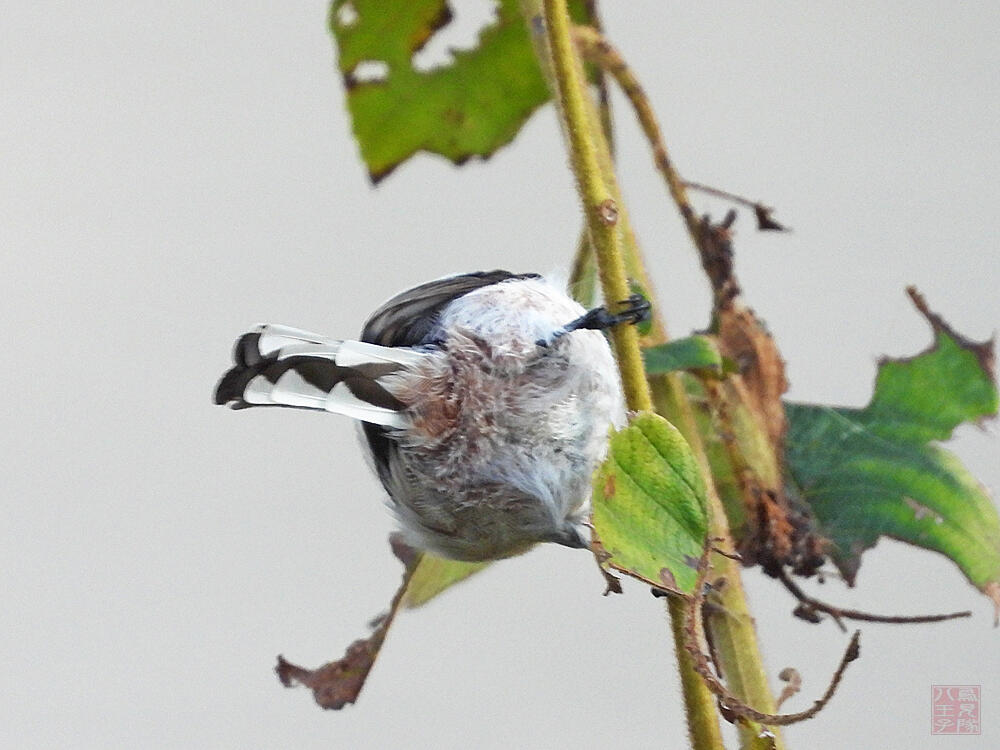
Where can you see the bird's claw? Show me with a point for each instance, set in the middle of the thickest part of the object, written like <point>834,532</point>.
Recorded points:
<point>636,309</point>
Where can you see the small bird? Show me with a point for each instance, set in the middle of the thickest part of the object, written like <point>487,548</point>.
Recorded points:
<point>485,400</point>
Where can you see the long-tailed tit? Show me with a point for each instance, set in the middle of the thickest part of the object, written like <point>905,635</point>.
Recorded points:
<point>485,401</point>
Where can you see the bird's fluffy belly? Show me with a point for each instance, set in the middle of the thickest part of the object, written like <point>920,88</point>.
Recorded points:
<point>504,434</point>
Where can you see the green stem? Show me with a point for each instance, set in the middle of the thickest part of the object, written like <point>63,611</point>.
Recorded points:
<point>699,703</point>
<point>590,163</point>
<point>733,633</point>
<point>600,207</point>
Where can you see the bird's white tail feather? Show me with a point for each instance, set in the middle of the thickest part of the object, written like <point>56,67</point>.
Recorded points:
<point>282,366</point>
<point>357,353</point>
<point>326,351</point>
<point>292,389</point>
<point>342,401</point>
<point>274,337</point>
<point>285,342</point>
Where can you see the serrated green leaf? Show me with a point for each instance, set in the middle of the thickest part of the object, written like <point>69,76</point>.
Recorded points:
<point>470,107</point>
<point>691,353</point>
<point>649,504</point>
<point>435,574</point>
<point>874,472</point>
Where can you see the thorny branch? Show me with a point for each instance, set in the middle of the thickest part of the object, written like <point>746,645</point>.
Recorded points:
<point>732,704</point>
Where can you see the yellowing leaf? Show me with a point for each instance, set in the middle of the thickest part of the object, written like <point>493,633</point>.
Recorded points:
<point>433,575</point>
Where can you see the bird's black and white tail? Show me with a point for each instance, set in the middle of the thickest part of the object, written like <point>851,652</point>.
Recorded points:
<point>281,366</point>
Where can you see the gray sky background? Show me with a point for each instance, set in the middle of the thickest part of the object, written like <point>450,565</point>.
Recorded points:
<point>175,172</point>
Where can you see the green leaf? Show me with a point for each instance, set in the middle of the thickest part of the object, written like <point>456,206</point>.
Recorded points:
<point>470,107</point>
<point>649,504</point>
<point>691,353</point>
<point>433,575</point>
<point>875,471</point>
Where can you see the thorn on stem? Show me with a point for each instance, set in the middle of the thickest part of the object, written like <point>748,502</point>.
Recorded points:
<point>607,211</point>
<point>793,680</point>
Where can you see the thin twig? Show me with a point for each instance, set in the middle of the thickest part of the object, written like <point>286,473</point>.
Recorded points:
<point>693,628</point>
<point>603,92</point>
<point>597,49</point>
<point>839,613</point>
<point>765,220</point>
<point>740,649</point>
<point>724,194</point>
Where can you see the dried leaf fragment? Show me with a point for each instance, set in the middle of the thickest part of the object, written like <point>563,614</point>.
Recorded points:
<point>765,222</point>
<point>339,682</point>
<point>743,419</point>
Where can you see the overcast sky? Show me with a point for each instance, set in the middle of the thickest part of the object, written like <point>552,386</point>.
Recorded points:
<point>176,172</point>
